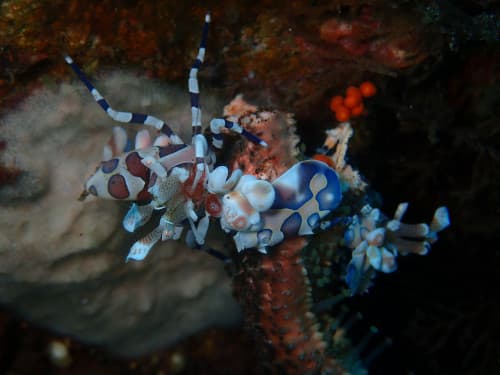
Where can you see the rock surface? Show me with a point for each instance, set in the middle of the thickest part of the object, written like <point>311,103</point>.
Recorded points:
<point>62,261</point>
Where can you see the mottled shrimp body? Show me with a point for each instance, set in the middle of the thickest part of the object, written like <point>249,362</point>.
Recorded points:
<point>123,178</point>
<point>131,175</point>
<point>303,195</point>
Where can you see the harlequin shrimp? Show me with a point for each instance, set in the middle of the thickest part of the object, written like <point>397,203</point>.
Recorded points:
<point>292,205</point>
<point>168,174</point>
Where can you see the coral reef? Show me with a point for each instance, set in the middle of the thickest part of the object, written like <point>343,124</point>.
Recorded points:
<point>430,134</point>
<point>372,35</point>
<point>154,38</point>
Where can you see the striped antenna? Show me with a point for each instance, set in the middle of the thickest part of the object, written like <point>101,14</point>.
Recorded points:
<point>120,116</point>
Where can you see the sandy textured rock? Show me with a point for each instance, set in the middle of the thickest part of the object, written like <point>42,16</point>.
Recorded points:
<point>62,261</point>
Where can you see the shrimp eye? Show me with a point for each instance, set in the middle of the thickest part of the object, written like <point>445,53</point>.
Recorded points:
<point>213,205</point>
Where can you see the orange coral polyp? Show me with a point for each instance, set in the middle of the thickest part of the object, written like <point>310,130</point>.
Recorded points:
<point>352,101</point>
<point>367,89</point>
<point>353,91</point>
<point>352,104</point>
<point>358,110</point>
<point>342,114</point>
<point>336,102</point>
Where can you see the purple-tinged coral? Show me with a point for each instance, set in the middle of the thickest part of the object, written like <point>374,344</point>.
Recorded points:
<point>377,242</point>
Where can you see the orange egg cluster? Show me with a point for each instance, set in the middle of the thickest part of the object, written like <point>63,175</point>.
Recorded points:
<point>352,104</point>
